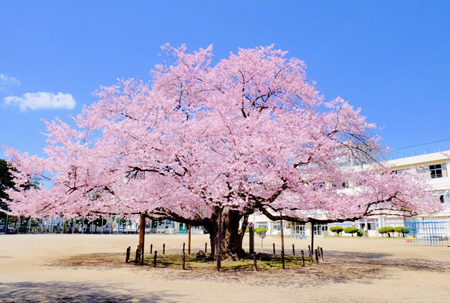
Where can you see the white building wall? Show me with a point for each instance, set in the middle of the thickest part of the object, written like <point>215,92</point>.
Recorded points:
<point>441,186</point>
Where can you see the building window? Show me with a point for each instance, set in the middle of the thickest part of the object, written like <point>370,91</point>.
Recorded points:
<point>343,184</point>
<point>372,226</point>
<point>436,171</point>
<point>320,185</point>
<point>262,224</point>
<point>276,226</point>
<point>400,171</point>
<point>299,228</point>
<point>320,228</point>
<point>441,198</point>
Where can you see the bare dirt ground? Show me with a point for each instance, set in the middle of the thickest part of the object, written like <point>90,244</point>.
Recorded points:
<point>91,268</point>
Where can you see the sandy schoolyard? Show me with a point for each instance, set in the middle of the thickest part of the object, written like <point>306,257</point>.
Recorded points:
<point>91,268</point>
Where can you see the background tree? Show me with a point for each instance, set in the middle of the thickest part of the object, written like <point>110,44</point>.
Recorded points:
<point>6,181</point>
<point>210,145</point>
<point>337,229</point>
<point>386,230</point>
<point>351,230</point>
<point>401,230</point>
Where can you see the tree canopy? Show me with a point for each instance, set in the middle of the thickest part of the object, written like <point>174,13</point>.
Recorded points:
<point>209,145</point>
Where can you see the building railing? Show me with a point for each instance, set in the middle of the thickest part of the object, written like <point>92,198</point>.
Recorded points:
<point>417,150</point>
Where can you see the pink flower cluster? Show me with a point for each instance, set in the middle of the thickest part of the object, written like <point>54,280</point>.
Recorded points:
<point>250,133</point>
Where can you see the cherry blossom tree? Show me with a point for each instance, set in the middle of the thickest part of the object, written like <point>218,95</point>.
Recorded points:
<point>208,145</point>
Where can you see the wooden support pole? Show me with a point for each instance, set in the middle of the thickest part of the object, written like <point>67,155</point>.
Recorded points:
<point>141,237</point>
<point>137,255</point>
<point>184,245</point>
<point>282,239</point>
<point>219,261</point>
<point>309,252</point>
<point>273,248</point>
<point>183,260</point>
<point>151,249</point>
<point>128,254</point>
<point>317,256</point>
<point>312,236</point>
<point>255,266</point>
<point>282,258</point>
<point>251,234</point>
<point>206,247</point>
<point>154,259</point>
<point>321,252</point>
<point>164,249</point>
<point>293,250</point>
<point>303,258</point>
<point>189,243</point>
<point>219,242</point>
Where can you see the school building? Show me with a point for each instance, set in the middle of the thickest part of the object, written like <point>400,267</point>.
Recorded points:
<point>428,160</point>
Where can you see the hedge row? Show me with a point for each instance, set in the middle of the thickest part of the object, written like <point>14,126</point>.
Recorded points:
<point>257,230</point>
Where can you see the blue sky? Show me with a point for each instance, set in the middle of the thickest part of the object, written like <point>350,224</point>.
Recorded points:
<point>391,58</point>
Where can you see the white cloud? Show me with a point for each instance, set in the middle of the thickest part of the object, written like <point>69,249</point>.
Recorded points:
<point>42,100</point>
<point>6,81</point>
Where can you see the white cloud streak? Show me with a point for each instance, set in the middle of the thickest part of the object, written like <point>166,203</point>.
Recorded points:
<point>6,81</point>
<point>41,100</point>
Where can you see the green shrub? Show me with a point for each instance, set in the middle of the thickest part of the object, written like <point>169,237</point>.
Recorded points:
<point>386,230</point>
<point>360,232</point>
<point>261,229</point>
<point>351,230</point>
<point>401,230</point>
<point>337,229</point>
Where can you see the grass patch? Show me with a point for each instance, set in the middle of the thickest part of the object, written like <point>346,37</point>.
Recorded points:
<point>175,261</point>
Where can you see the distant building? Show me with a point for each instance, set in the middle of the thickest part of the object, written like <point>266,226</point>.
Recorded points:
<point>433,167</point>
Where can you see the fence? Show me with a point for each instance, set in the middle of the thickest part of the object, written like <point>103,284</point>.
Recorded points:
<point>427,233</point>
<point>267,248</point>
<point>164,256</point>
<point>417,150</point>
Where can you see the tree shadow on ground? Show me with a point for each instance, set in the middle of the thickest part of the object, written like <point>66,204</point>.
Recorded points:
<point>337,267</point>
<point>76,293</point>
<point>385,260</point>
<point>98,260</point>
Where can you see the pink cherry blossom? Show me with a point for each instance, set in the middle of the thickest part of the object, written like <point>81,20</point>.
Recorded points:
<point>209,145</point>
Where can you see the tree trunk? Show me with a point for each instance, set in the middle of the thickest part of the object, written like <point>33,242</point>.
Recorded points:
<point>227,239</point>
